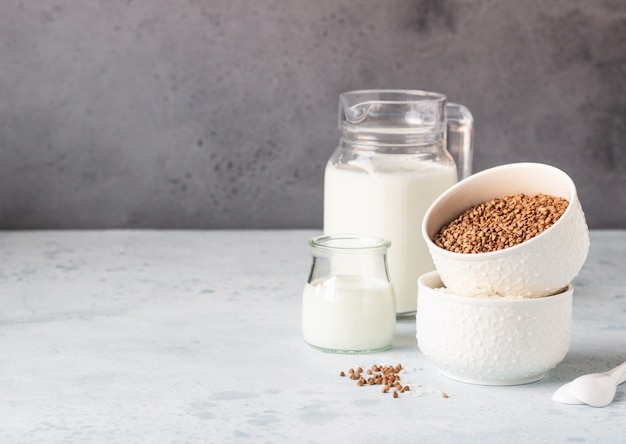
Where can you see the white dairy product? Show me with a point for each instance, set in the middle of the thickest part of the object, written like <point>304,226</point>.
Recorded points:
<point>348,313</point>
<point>389,202</point>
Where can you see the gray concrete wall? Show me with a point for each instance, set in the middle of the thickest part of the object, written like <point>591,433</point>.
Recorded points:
<point>222,113</point>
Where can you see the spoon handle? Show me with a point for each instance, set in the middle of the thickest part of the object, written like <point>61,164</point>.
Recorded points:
<point>618,372</point>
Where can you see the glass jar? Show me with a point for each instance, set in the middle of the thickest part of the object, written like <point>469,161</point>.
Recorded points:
<point>395,157</point>
<point>348,303</point>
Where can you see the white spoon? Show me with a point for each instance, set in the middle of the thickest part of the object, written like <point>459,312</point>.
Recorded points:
<point>564,395</point>
<point>596,389</point>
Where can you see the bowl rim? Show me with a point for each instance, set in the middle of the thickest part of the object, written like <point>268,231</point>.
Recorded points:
<point>433,292</point>
<point>470,181</point>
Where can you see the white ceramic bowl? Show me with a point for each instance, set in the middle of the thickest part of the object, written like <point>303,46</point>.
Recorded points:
<point>537,267</point>
<point>492,340</point>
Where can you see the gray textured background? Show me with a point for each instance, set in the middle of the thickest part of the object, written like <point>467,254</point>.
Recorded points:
<point>222,113</point>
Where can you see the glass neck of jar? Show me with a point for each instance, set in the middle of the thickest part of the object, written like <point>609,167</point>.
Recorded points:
<point>382,138</point>
<point>371,265</point>
<point>348,255</point>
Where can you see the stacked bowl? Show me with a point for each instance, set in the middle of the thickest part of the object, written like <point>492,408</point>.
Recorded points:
<point>501,317</point>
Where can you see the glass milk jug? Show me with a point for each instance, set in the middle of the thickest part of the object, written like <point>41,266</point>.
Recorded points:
<point>348,304</point>
<point>393,160</point>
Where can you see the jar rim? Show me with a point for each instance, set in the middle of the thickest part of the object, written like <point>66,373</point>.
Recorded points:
<point>396,95</point>
<point>349,243</point>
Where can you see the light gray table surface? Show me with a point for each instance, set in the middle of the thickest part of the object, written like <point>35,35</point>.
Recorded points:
<point>195,336</point>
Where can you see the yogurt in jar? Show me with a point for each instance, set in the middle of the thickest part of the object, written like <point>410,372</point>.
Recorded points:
<point>349,314</point>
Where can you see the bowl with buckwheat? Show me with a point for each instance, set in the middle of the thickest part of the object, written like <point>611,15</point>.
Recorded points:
<point>513,230</point>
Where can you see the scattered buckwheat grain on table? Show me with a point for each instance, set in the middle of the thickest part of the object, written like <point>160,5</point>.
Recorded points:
<point>385,375</point>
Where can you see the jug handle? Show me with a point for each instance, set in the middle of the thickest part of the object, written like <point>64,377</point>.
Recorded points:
<point>460,135</point>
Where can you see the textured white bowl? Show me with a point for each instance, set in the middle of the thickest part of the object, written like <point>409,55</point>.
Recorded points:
<point>492,340</point>
<point>537,267</point>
